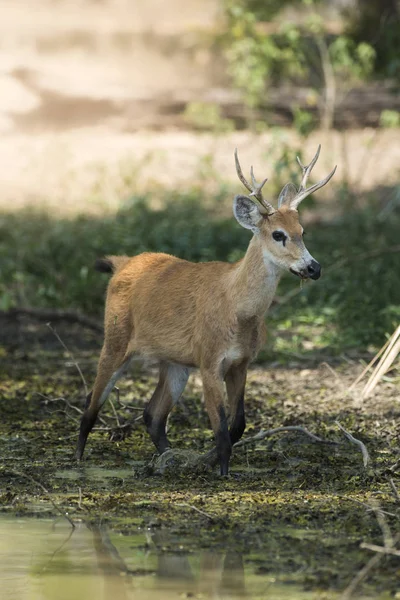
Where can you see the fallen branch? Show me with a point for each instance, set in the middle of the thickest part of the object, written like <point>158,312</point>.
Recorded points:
<point>356,442</point>
<point>43,314</point>
<point>211,456</point>
<point>261,435</point>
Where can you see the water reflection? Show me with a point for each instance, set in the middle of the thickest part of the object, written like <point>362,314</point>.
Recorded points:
<point>208,574</point>
<point>43,560</point>
<point>40,560</point>
<point>219,576</point>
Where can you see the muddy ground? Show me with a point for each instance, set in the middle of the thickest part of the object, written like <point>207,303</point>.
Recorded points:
<point>295,508</point>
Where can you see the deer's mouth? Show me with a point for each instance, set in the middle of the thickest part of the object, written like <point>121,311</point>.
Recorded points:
<point>301,274</point>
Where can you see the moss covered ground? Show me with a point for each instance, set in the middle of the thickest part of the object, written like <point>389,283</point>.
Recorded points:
<point>294,508</point>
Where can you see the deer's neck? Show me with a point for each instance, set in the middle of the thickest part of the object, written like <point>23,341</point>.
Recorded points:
<point>254,282</point>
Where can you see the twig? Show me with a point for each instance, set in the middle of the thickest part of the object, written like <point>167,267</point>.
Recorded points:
<point>53,315</point>
<point>123,404</point>
<point>63,412</point>
<point>380,549</point>
<point>78,410</point>
<point>369,365</point>
<point>80,498</point>
<point>201,512</point>
<point>211,456</point>
<point>385,362</point>
<point>71,356</point>
<point>263,434</point>
<point>362,574</point>
<point>388,548</point>
<point>368,507</point>
<point>394,489</point>
<point>115,413</point>
<point>395,466</point>
<point>353,440</point>
<point>328,366</point>
<point>57,550</point>
<point>57,508</point>
<point>380,517</point>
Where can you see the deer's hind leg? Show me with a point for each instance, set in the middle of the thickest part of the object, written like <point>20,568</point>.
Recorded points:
<point>235,381</point>
<point>170,386</point>
<point>111,366</point>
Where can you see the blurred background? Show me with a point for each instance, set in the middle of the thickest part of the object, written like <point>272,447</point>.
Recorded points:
<point>118,124</point>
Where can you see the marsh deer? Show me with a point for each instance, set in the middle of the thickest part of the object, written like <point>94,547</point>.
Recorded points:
<point>205,315</point>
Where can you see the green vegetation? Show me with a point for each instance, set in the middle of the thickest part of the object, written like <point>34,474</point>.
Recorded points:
<point>47,262</point>
<point>297,43</point>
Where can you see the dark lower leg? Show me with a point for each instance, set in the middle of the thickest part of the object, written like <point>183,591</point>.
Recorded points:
<point>88,399</point>
<point>87,422</point>
<point>171,384</point>
<point>156,430</point>
<point>109,370</point>
<point>238,423</point>
<point>235,381</point>
<point>223,443</point>
<point>156,413</point>
<point>214,400</point>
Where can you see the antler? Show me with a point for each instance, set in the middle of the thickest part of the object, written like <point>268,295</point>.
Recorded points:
<point>255,188</point>
<point>303,192</point>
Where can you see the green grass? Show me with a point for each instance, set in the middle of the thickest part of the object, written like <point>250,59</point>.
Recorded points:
<point>47,262</point>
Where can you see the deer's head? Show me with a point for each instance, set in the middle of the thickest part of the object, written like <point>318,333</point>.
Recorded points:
<point>279,230</point>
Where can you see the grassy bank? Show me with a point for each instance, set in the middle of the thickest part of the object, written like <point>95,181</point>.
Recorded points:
<point>47,262</point>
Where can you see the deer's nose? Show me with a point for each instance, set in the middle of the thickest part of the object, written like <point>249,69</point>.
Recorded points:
<point>314,269</point>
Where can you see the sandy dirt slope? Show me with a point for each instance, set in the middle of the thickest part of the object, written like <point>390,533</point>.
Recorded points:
<point>81,83</point>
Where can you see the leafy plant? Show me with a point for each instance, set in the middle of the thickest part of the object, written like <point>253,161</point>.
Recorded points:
<point>299,54</point>
<point>207,116</point>
<point>390,119</point>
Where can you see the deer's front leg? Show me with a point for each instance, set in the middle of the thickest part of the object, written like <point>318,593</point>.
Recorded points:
<point>214,400</point>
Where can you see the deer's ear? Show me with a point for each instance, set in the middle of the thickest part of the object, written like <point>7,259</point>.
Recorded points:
<point>246,213</point>
<point>287,194</point>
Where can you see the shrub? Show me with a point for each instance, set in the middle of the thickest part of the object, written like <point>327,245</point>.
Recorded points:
<point>47,262</point>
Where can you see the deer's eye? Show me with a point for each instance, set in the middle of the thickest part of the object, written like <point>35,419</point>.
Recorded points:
<point>279,236</point>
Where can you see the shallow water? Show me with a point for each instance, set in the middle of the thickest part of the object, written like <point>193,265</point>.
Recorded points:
<point>48,560</point>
